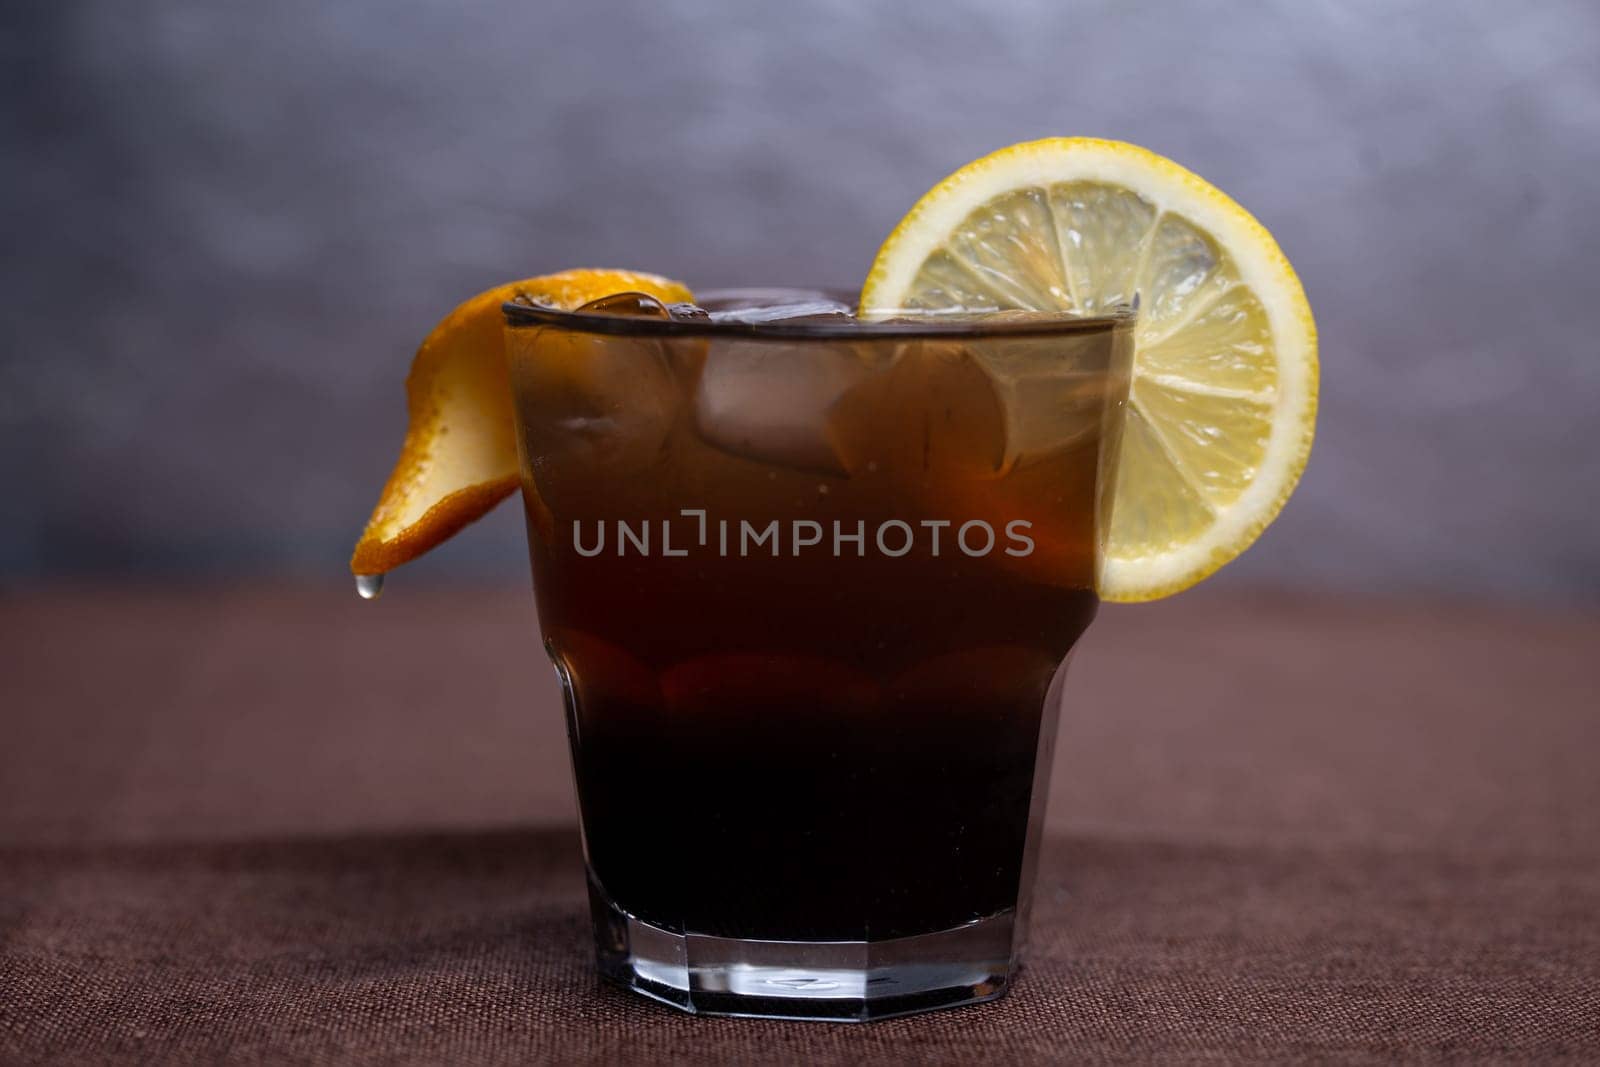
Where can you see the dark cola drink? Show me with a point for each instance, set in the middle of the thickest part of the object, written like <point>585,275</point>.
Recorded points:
<point>809,585</point>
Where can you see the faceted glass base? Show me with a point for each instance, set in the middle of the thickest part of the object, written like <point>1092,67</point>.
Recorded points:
<point>842,981</point>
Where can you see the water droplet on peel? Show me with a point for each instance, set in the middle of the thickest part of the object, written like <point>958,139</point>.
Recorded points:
<point>369,586</point>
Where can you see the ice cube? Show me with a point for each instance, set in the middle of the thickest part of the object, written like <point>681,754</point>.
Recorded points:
<point>684,312</point>
<point>1053,390</point>
<point>930,413</point>
<point>982,407</point>
<point>807,312</point>
<point>772,401</point>
<point>763,306</point>
<point>604,401</point>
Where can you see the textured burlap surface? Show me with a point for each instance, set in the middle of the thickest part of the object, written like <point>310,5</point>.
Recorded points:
<point>277,827</point>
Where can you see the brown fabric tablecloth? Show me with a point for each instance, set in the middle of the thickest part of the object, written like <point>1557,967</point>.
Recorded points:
<point>285,826</point>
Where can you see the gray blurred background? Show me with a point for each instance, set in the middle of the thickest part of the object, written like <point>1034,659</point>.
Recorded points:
<point>226,227</point>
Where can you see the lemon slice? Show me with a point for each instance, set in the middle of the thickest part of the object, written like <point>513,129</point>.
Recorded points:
<point>459,458</point>
<point>1223,399</point>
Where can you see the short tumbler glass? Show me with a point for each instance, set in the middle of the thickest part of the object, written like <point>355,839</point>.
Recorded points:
<point>810,589</point>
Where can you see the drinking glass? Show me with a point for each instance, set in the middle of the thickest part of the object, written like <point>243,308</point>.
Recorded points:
<point>810,586</point>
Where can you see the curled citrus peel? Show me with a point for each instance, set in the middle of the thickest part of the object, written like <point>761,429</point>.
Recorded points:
<point>459,458</point>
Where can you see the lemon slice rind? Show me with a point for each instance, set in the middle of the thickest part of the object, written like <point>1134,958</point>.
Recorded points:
<point>1242,501</point>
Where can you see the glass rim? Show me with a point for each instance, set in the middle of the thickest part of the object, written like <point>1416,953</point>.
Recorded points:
<point>970,326</point>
